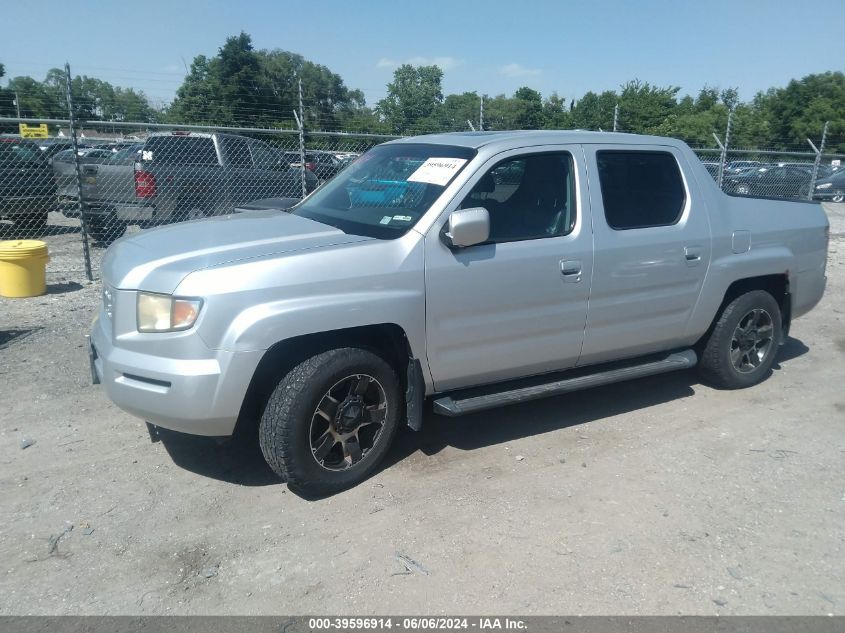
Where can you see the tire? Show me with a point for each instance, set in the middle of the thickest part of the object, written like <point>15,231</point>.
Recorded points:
<point>743,343</point>
<point>838,196</point>
<point>189,209</point>
<point>106,232</point>
<point>299,442</point>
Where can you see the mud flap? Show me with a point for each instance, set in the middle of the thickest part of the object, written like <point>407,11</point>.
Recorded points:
<point>414,393</point>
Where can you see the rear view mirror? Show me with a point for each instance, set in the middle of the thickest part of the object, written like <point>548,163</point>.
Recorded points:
<point>467,227</point>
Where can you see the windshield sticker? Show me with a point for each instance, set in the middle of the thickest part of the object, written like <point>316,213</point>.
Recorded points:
<point>402,218</point>
<point>437,171</point>
<point>386,220</point>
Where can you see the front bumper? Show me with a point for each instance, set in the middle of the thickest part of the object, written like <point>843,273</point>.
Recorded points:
<point>198,396</point>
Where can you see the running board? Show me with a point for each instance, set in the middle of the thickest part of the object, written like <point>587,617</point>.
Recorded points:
<point>472,400</point>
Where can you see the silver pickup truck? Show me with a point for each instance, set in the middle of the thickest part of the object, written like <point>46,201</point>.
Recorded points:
<point>473,269</point>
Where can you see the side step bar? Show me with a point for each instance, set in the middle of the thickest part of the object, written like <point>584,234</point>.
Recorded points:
<point>470,401</point>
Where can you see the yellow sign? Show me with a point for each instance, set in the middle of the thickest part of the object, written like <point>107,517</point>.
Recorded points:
<point>33,131</point>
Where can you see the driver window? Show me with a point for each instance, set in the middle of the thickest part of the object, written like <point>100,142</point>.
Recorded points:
<point>527,197</point>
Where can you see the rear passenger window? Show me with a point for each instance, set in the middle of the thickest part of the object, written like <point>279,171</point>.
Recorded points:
<point>640,189</point>
<point>182,149</point>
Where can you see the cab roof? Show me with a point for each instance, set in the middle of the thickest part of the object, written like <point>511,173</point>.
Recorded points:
<point>506,139</point>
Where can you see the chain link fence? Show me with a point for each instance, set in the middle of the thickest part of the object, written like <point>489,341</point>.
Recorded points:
<point>121,178</point>
<point>89,183</point>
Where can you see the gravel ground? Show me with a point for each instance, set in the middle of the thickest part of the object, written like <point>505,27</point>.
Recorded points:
<point>658,496</point>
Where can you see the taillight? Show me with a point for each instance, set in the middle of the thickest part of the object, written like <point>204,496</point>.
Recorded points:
<point>145,184</point>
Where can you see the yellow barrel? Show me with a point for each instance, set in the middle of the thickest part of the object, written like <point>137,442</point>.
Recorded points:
<point>23,268</point>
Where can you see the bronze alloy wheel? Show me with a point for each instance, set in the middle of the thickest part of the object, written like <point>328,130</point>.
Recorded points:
<point>348,422</point>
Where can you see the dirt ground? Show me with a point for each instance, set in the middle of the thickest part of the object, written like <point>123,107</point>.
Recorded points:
<point>658,496</point>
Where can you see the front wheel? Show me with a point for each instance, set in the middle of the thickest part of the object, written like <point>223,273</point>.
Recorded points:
<point>838,196</point>
<point>742,346</point>
<point>331,420</point>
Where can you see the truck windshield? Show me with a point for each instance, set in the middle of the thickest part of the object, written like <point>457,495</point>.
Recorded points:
<point>387,190</point>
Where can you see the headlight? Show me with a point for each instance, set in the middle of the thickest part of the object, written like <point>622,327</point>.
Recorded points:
<point>826,185</point>
<point>163,313</point>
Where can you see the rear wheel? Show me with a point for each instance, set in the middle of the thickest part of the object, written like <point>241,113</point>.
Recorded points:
<point>331,420</point>
<point>190,209</point>
<point>742,346</point>
<point>106,230</point>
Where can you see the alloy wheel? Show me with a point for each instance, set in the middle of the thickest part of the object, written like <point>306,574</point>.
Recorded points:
<point>752,340</point>
<point>348,422</point>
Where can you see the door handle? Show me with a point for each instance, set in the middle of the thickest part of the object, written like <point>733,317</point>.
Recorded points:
<point>571,270</point>
<point>692,254</point>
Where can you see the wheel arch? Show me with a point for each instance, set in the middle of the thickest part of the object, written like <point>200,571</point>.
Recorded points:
<point>387,340</point>
<point>776,285</point>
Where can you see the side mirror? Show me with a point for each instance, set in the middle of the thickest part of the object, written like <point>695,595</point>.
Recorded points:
<point>467,227</point>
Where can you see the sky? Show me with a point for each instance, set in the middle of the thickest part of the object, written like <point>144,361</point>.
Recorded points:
<point>491,46</point>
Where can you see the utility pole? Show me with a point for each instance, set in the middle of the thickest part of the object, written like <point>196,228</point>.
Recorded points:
<point>481,115</point>
<point>18,104</point>
<point>615,116</point>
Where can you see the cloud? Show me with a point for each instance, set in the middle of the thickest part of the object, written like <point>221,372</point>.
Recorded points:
<point>518,70</point>
<point>445,63</point>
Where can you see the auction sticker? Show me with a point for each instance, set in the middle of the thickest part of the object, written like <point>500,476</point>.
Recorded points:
<point>437,171</point>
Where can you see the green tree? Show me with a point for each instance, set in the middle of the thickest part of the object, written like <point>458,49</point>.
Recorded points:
<point>457,109</point>
<point>242,86</point>
<point>412,99</point>
<point>801,108</point>
<point>556,113</point>
<point>528,109</point>
<point>595,111</point>
<point>196,99</point>
<point>645,107</point>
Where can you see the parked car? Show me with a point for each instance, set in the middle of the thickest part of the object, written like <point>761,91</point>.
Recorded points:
<point>712,169</point>
<point>329,324</point>
<point>53,146</point>
<point>737,166</point>
<point>324,164</point>
<point>179,176</point>
<point>27,187</point>
<point>775,181</point>
<point>832,188</point>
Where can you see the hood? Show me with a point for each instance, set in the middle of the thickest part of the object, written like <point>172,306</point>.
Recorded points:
<point>157,260</point>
